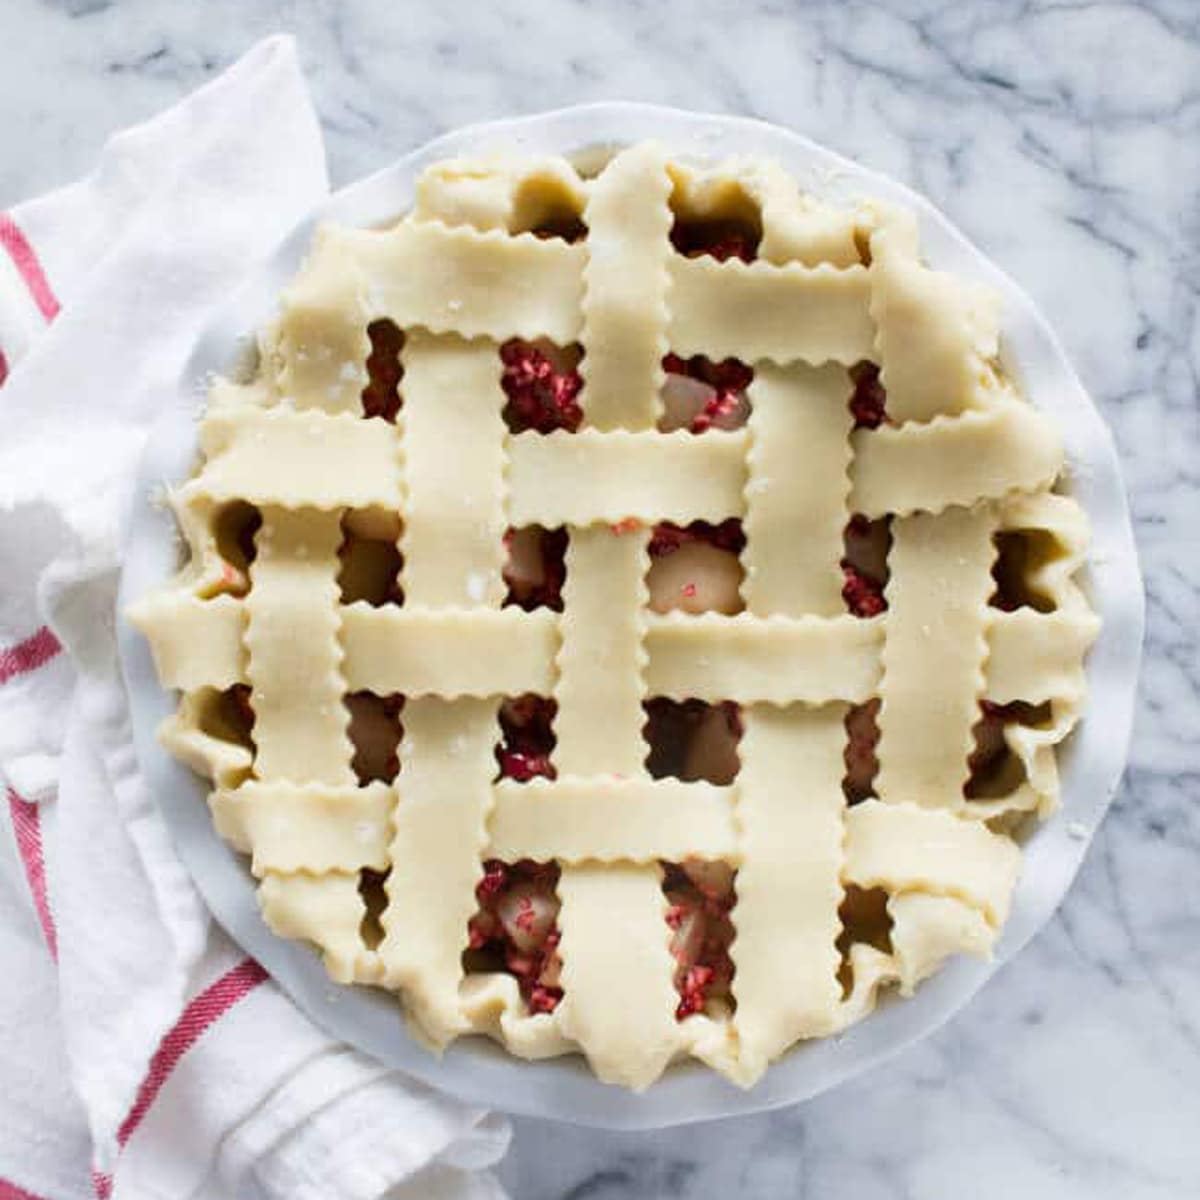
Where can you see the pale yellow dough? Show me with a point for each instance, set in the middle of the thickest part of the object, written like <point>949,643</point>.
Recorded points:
<point>965,459</point>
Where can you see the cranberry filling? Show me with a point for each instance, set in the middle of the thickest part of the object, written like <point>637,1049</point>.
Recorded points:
<point>990,746</point>
<point>1018,553</point>
<point>863,595</point>
<point>696,569</point>
<point>869,400</point>
<point>542,394</point>
<point>230,717</point>
<point>692,740</point>
<point>864,566</point>
<point>374,731</point>
<point>369,570</point>
<point>563,226</point>
<point>234,530</point>
<point>375,900</point>
<point>536,567</point>
<point>668,537</point>
<point>527,724</point>
<point>381,396</point>
<point>713,396</point>
<point>862,738</point>
<point>720,239</point>
<point>994,770</point>
<point>701,896</point>
<point>865,920</point>
<point>515,929</point>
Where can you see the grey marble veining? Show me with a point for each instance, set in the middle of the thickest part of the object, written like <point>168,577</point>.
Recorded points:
<point>1064,137</point>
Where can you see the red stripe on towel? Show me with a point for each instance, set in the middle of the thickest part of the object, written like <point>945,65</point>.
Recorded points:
<point>212,1003</point>
<point>28,267</point>
<point>43,645</point>
<point>10,1191</point>
<point>27,827</point>
<point>28,655</point>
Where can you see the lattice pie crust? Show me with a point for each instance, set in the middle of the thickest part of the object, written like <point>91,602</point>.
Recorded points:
<point>960,463</point>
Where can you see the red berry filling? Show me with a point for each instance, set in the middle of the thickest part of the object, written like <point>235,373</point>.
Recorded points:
<point>692,740</point>
<point>230,717</point>
<point>522,765</point>
<point>701,896</point>
<point>869,400</point>
<point>862,737</point>
<point>695,568</point>
<point>720,239</point>
<point>864,566</point>
<point>536,567</point>
<point>374,732</point>
<point>381,396</point>
<point>515,928</point>
<point>527,723</point>
<point>728,375</point>
<point>1018,554</point>
<point>369,571</point>
<point>564,225</point>
<point>234,528</point>
<point>988,732</point>
<point>863,595</point>
<point>543,395</point>
<point>994,770</point>
<point>865,920</point>
<point>374,897</point>
<point>701,394</point>
<point>668,537</point>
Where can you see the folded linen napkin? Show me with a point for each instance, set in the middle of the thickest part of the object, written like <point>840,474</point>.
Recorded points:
<point>141,1054</point>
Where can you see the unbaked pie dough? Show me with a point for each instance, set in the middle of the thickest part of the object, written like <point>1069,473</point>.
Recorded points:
<point>627,612</point>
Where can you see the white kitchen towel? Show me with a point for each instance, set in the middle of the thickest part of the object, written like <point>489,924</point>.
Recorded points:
<point>142,1056</point>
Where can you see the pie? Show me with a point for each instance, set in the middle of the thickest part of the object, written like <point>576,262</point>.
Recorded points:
<point>627,610</point>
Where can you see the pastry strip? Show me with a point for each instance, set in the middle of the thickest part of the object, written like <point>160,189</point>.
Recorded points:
<point>905,848</point>
<point>758,311</point>
<point>776,660</point>
<point>794,518</point>
<point>293,650</point>
<point>626,281</point>
<point>790,810</point>
<point>600,718</point>
<point>449,652</point>
<point>326,910</point>
<point>320,344</point>
<point>452,540</point>
<point>616,964</point>
<point>291,827</point>
<point>606,819</point>
<point>315,461</point>
<point>462,281</point>
<point>935,332</point>
<point>588,477</point>
<point>446,769</point>
<point>985,455</point>
<point>934,654</point>
<point>196,643</point>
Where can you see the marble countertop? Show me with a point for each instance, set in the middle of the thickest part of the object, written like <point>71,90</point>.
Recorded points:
<point>1064,138</point>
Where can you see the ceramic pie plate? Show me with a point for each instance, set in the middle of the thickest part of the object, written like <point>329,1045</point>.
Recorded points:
<point>475,1069</point>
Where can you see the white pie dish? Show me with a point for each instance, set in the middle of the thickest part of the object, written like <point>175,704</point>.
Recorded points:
<point>475,1069</point>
